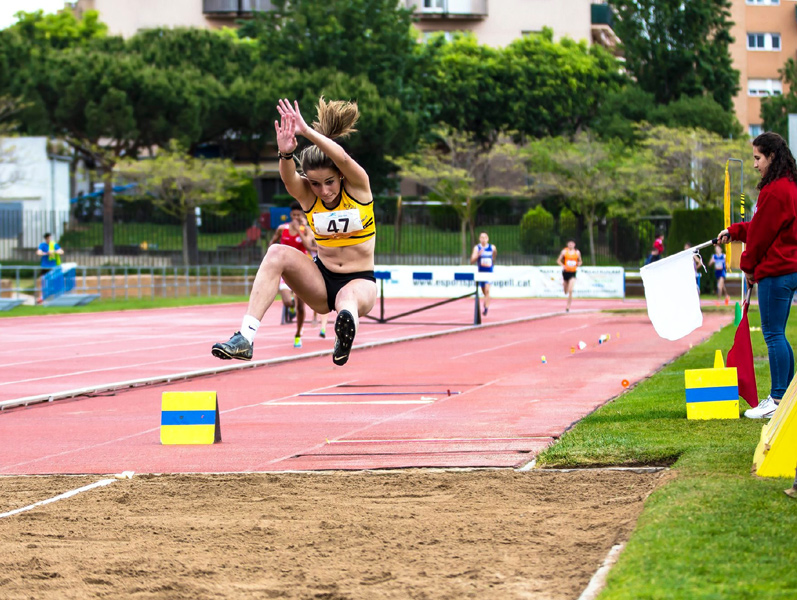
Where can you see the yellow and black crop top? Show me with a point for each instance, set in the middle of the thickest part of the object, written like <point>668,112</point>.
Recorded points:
<point>348,224</point>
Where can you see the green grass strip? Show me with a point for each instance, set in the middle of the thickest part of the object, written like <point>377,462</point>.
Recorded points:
<point>107,304</point>
<point>713,530</point>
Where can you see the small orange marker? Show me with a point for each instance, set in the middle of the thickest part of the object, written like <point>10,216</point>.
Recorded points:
<point>625,383</point>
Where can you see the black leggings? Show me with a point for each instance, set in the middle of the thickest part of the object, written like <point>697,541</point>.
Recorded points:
<point>334,282</point>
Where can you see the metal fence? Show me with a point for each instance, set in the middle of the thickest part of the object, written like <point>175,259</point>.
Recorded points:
<point>409,234</point>
<point>131,282</point>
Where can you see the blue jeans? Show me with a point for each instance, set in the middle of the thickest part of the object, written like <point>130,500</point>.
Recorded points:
<point>775,295</point>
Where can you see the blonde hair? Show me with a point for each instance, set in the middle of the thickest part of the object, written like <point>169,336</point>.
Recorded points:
<point>335,119</point>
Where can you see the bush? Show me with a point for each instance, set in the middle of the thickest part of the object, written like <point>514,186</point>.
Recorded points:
<point>537,231</point>
<point>243,207</point>
<point>695,227</point>
<point>568,226</point>
<point>628,238</point>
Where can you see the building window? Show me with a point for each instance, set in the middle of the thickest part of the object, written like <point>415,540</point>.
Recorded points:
<point>755,130</point>
<point>763,41</point>
<point>763,2</point>
<point>433,5</point>
<point>447,35</point>
<point>764,87</point>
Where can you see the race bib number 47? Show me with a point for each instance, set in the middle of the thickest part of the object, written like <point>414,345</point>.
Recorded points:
<point>338,223</point>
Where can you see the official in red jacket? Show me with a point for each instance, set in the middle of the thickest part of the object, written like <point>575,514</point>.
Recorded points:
<point>770,258</point>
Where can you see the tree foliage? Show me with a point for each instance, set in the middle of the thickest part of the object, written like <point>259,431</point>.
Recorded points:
<point>533,87</point>
<point>677,48</point>
<point>775,109</point>
<point>691,163</point>
<point>179,183</point>
<point>588,173</point>
<point>460,172</point>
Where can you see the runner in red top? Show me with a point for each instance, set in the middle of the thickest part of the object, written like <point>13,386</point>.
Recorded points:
<point>296,234</point>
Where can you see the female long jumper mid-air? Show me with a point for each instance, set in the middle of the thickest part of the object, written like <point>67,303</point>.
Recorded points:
<point>335,193</point>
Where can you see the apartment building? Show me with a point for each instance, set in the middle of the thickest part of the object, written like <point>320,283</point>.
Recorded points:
<point>494,22</point>
<point>765,33</point>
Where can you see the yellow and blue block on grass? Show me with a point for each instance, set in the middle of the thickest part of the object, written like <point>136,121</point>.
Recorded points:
<point>190,418</point>
<point>712,393</point>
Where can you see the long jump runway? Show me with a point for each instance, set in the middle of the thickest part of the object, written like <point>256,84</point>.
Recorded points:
<point>476,396</point>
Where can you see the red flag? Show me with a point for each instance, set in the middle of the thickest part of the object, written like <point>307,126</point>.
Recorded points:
<point>741,356</point>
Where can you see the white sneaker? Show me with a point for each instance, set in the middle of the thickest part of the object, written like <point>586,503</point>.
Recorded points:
<point>764,410</point>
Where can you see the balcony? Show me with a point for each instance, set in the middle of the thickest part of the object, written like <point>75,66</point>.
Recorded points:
<point>455,9</point>
<point>235,7</point>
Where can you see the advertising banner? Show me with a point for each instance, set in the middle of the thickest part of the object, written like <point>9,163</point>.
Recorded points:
<point>403,281</point>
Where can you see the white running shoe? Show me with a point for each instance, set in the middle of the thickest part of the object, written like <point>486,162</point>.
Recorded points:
<point>764,410</point>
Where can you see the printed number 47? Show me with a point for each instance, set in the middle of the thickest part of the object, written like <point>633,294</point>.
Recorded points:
<point>333,227</point>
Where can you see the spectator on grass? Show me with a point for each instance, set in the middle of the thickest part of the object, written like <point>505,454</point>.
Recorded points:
<point>335,192</point>
<point>483,255</point>
<point>50,253</point>
<point>770,258</point>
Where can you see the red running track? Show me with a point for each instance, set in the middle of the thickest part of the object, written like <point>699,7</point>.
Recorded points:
<point>478,397</point>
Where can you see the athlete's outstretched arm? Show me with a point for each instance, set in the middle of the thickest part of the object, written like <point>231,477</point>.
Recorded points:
<point>355,175</point>
<point>296,185</point>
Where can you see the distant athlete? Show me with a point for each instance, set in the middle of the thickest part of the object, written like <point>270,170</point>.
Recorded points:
<point>483,255</point>
<point>570,260</point>
<point>718,259</point>
<point>296,234</point>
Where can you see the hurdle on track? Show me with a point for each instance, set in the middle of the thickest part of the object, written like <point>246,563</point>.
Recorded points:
<point>427,276</point>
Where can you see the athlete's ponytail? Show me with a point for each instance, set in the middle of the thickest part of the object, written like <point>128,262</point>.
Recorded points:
<point>336,119</point>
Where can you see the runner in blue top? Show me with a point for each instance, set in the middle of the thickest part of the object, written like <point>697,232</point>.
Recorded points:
<point>484,254</point>
<point>719,262</point>
<point>50,254</point>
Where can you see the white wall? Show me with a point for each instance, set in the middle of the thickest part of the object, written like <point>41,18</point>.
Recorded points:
<point>37,182</point>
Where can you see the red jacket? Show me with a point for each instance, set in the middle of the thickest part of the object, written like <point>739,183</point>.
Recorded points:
<point>771,235</point>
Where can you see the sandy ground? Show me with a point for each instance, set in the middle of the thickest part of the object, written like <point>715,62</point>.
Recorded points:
<point>420,534</point>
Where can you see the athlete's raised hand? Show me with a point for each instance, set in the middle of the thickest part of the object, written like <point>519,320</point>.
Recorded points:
<point>285,108</point>
<point>286,136</point>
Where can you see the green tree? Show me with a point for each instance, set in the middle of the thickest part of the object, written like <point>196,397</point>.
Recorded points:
<point>691,163</point>
<point>623,111</point>
<point>110,106</point>
<point>459,172</point>
<point>588,173</point>
<point>179,184</point>
<point>357,37</point>
<point>57,31</point>
<point>775,109</point>
<point>677,48</point>
<point>533,87</point>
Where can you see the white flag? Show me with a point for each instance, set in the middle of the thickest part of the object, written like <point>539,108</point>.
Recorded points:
<point>671,295</point>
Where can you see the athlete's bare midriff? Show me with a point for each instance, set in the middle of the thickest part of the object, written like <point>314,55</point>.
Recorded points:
<point>348,259</point>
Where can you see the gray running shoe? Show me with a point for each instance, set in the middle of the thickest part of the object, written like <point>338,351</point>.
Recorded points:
<point>237,347</point>
<point>344,337</point>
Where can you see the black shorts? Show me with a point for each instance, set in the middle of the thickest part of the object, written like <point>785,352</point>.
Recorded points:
<point>334,282</point>
<point>568,275</point>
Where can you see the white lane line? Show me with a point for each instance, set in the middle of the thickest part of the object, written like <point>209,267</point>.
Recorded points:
<point>598,580</point>
<point>346,403</point>
<point>69,494</point>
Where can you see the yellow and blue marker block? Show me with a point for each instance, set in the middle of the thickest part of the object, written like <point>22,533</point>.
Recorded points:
<point>190,418</point>
<point>712,393</point>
